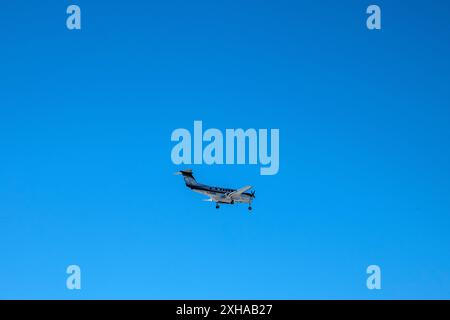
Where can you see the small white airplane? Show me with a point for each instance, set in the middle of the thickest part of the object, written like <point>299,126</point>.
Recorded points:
<point>217,194</point>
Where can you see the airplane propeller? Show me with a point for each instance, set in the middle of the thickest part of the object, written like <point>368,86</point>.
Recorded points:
<point>253,194</point>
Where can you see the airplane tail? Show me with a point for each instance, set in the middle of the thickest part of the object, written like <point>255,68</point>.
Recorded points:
<point>188,177</point>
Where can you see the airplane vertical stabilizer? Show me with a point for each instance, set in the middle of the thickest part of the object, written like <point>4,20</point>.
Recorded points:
<point>188,177</point>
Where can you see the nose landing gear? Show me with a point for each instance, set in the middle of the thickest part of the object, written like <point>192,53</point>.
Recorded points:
<point>217,206</point>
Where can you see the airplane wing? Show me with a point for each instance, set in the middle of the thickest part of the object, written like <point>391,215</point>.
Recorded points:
<point>238,192</point>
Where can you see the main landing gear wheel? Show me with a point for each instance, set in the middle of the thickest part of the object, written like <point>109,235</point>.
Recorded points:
<point>217,206</point>
<point>250,208</point>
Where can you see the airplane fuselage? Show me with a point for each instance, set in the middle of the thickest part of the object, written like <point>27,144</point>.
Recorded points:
<point>219,195</point>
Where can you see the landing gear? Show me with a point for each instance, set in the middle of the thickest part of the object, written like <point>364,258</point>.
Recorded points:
<point>250,208</point>
<point>217,206</point>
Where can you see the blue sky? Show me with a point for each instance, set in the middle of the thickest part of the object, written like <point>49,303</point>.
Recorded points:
<point>86,174</point>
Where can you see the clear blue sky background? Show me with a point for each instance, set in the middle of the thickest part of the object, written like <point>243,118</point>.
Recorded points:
<point>86,175</point>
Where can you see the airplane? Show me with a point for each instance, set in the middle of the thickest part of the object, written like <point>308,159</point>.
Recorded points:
<point>217,194</point>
